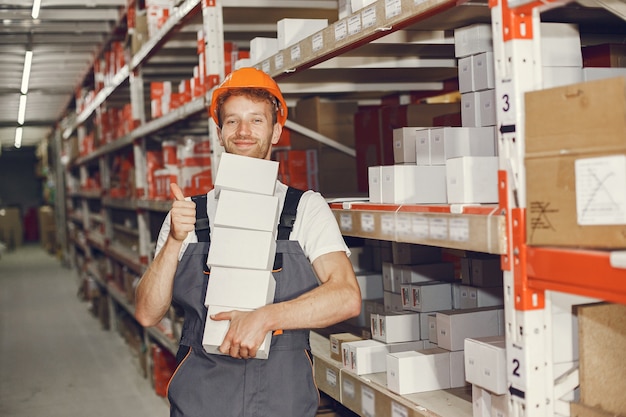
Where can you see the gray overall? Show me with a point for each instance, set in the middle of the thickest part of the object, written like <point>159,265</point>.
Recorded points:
<point>209,385</point>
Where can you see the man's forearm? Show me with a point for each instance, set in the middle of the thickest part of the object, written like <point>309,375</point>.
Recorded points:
<point>153,295</point>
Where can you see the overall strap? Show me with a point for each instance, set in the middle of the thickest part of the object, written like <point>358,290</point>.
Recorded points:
<point>287,220</point>
<point>202,220</point>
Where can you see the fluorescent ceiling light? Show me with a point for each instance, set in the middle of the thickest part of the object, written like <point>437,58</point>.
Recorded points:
<point>28,60</point>
<point>21,112</point>
<point>36,6</point>
<point>18,137</point>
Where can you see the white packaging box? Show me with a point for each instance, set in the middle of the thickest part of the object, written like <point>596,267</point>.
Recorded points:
<point>485,363</point>
<point>240,288</point>
<point>409,253</point>
<point>388,271</point>
<point>359,4</point>
<point>404,142</point>
<point>472,179</point>
<point>371,285</point>
<point>365,356</point>
<point>411,184</point>
<point>454,326</point>
<point>457,369</point>
<point>472,40</point>
<point>483,71</point>
<point>481,402</point>
<point>432,327</point>
<point>336,340</point>
<point>478,108</point>
<point>395,327</point>
<point>440,271</point>
<point>422,147</point>
<point>247,211</point>
<point>453,142</point>
<point>466,76</point>
<point>431,296</point>
<point>405,292</point>
<point>238,248</point>
<point>418,371</point>
<point>291,31</point>
<point>215,331</point>
<point>424,327</point>
<point>374,181</point>
<point>245,174</point>
<point>560,45</point>
<point>459,291</point>
<point>262,48</point>
<point>592,74</point>
<point>392,302</point>
<point>560,76</point>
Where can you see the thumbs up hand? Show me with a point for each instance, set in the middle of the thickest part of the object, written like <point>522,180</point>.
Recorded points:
<point>183,214</point>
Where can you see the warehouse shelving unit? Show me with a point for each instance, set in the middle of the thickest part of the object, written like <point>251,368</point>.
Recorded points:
<point>365,56</point>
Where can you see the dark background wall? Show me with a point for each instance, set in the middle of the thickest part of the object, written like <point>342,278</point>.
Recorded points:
<point>19,184</point>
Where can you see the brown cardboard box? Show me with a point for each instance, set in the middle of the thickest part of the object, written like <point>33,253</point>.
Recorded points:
<point>602,349</point>
<point>336,169</point>
<point>565,125</point>
<point>11,229</point>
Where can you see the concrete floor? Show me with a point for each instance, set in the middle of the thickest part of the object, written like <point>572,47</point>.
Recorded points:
<point>55,359</point>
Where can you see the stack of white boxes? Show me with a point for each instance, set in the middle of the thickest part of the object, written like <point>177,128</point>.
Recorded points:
<point>243,244</point>
<point>472,177</point>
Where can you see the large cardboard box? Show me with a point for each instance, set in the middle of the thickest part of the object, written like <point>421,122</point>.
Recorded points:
<point>335,120</point>
<point>576,164</point>
<point>602,340</point>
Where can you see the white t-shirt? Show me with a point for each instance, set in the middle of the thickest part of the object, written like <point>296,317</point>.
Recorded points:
<point>315,227</point>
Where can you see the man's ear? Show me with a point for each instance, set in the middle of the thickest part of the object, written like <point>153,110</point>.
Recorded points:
<point>278,129</point>
<point>219,135</point>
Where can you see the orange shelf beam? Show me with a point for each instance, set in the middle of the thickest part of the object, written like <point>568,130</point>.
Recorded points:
<point>584,272</point>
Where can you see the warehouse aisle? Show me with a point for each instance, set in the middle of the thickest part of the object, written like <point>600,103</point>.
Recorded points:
<point>55,359</point>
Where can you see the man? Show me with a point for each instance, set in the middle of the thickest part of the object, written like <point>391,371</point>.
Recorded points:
<point>315,285</point>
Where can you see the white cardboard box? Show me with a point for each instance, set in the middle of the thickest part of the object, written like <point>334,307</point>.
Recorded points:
<point>404,139</point>
<point>238,248</point>
<point>240,288</point>
<point>432,327</point>
<point>245,174</point>
<point>483,71</point>
<point>215,331</point>
<point>374,181</point>
<point>466,75</point>
<point>472,179</point>
<point>392,301</point>
<point>422,147</point>
<point>478,108</point>
<point>418,371</point>
<point>454,326</point>
<point>485,363</point>
<point>411,184</point>
<point>472,40</point>
<point>440,271</point>
<point>388,271</point>
<point>431,296</point>
<point>395,328</point>
<point>560,45</point>
<point>453,142</point>
<point>371,285</point>
<point>291,31</point>
<point>457,369</point>
<point>365,356</point>
<point>247,211</point>
<point>262,48</point>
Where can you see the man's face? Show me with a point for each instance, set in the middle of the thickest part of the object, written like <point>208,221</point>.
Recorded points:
<point>247,127</point>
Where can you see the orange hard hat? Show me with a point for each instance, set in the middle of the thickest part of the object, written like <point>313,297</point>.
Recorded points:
<point>249,77</point>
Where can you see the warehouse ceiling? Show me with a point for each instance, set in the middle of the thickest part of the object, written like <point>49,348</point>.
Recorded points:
<point>64,40</point>
<point>68,34</point>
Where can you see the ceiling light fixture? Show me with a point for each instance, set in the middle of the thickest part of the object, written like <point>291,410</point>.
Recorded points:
<point>36,6</point>
<point>21,112</point>
<point>28,60</point>
<point>18,137</point>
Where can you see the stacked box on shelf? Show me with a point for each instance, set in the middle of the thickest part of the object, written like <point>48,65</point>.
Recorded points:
<point>298,168</point>
<point>243,244</point>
